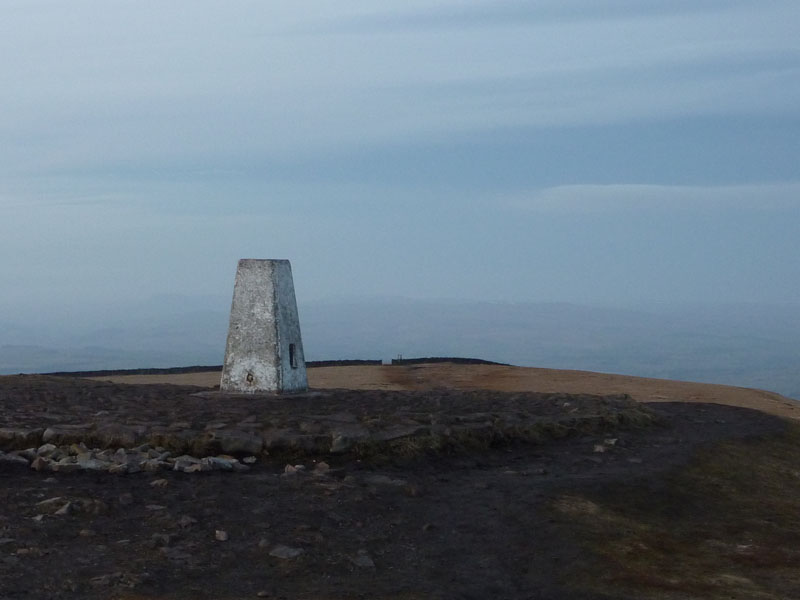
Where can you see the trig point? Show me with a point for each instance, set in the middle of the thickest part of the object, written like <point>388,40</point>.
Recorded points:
<point>264,352</point>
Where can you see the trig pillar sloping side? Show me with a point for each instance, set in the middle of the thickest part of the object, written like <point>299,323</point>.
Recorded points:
<point>264,352</point>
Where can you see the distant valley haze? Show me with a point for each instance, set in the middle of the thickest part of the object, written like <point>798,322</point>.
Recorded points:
<point>746,344</point>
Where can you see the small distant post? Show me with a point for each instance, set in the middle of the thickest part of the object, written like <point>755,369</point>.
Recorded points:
<point>264,352</point>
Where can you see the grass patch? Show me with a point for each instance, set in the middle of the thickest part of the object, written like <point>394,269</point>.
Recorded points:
<point>479,438</point>
<point>725,526</point>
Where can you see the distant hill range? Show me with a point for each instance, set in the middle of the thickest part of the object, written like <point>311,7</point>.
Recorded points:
<point>745,345</point>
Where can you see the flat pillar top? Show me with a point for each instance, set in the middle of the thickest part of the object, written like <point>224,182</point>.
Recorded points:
<point>247,261</point>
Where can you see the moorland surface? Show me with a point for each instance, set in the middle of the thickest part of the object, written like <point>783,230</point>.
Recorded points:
<point>505,378</point>
<point>422,481</point>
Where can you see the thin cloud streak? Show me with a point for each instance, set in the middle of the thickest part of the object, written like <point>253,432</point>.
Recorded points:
<point>461,15</point>
<point>636,198</point>
<point>136,88</point>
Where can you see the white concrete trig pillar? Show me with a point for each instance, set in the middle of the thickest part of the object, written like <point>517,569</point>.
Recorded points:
<point>264,352</point>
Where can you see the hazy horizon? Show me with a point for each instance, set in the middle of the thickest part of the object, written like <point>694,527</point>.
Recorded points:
<point>738,344</point>
<point>613,153</point>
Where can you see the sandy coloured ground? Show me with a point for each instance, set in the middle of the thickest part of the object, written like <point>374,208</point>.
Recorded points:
<point>512,379</point>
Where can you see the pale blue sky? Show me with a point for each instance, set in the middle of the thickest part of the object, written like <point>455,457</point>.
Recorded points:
<point>603,151</point>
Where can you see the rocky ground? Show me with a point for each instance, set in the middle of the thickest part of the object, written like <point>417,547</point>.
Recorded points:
<point>68,424</point>
<point>154,491</point>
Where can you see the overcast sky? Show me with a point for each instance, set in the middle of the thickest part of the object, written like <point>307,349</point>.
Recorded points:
<point>592,151</point>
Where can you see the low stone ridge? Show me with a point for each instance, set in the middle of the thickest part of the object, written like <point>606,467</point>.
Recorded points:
<point>68,424</point>
<point>145,371</point>
<point>310,364</point>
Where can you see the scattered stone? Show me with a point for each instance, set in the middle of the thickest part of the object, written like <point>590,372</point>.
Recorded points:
<point>285,552</point>
<point>322,468</point>
<point>159,483</point>
<point>29,453</point>
<point>68,464</point>
<point>180,425</point>
<point>14,459</point>
<point>46,449</point>
<point>239,467</point>
<point>86,533</point>
<point>94,506</point>
<point>221,535</point>
<point>189,464</point>
<point>249,460</point>
<point>106,580</point>
<point>75,449</point>
<point>263,543</point>
<point>51,504</point>
<point>363,560</point>
<point>155,507</point>
<point>186,521</point>
<point>90,463</point>
<point>64,510</point>
<point>40,463</point>
<point>176,554</point>
<point>216,463</point>
<point>385,480</point>
<point>599,448</point>
<point>341,443</point>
